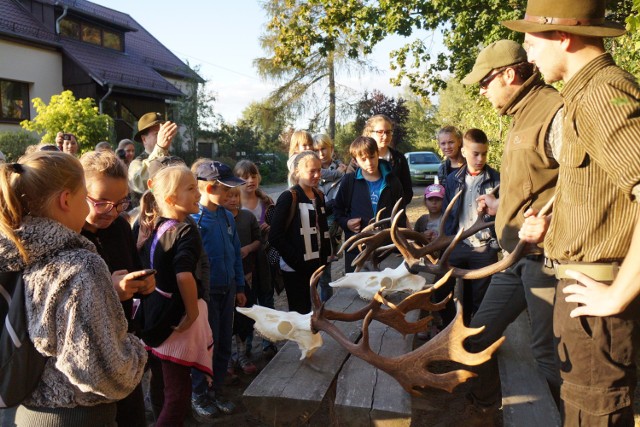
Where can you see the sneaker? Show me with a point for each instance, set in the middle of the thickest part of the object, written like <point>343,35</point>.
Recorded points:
<point>203,408</point>
<point>247,366</point>
<point>269,351</point>
<point>222,405</point>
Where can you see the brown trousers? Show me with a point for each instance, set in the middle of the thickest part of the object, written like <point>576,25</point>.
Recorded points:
<point>597,364</point>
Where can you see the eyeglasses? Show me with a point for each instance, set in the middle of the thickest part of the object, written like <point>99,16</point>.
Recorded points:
<point>106,207</point>
<point>381,132</point>
<point>484,83</point>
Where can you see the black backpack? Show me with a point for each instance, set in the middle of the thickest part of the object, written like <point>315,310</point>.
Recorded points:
<point>21,365</point>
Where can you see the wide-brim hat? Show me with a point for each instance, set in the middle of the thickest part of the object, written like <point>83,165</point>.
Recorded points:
<point>216,171</point>
<point>581,17</point>
<point>498,54</point>
<point>146,121</point>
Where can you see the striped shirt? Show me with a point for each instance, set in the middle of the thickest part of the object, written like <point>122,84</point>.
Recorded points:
<point>595,209</point>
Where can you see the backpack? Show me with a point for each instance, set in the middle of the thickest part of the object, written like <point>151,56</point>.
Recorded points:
<point>20,363</point>
<point>273,256</point>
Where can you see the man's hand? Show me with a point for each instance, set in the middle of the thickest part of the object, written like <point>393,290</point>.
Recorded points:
<point>595,298</point>
<point>488,202</point>
<point>535,227</point>
<point>167,132</point>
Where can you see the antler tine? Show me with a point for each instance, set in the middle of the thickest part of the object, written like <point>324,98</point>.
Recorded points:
<point>406,250</point>
<point>313,284</point>
<point>396,208</point>
<point>349,243</point>
<point>379,214</point>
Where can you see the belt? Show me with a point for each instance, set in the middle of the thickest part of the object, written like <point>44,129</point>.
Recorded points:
<point>601,272</point>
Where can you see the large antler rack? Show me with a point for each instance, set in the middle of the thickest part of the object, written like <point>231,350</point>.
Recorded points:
<point>392,315</point>
<point>416,258</point>
<point>411,370</point>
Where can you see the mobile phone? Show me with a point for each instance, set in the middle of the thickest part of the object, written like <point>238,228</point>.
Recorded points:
<point>146,273</point>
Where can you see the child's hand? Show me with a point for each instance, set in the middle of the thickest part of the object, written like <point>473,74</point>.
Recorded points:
<point>241,299</point>
<point>264,227</point>
<point>127,284</point>
<point>244,251</point>
<point>185,323</point>
<point>354,224</point>
<point>430,234</point>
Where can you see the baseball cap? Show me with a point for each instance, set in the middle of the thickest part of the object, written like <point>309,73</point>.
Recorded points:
<point>497,54</point>
<point>216,171</point>
<point>434,190</point>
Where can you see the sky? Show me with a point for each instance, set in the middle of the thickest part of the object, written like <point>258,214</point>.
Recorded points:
<point>222,37</point>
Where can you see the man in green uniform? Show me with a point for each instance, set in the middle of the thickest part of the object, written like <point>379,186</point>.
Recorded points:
<point>594,232</point>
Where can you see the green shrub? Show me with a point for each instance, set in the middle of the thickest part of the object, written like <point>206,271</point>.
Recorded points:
<point>13,144</point>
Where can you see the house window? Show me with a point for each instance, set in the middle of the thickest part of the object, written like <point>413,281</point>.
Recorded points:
<point>111,40</point>
<point>93,34</point>
<point>14,101</point>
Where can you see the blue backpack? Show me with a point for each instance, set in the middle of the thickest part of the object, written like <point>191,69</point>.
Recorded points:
<point>21,365</point>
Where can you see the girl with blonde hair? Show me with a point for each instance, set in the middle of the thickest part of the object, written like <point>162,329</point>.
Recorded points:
<point>73,313</point>
<point>176,326</point>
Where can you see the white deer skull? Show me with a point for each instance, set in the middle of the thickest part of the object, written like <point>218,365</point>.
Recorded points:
<point>367,283</point>
<point>281,325</point>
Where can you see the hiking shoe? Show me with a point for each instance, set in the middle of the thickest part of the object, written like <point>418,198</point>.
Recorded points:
<point>203,408</point>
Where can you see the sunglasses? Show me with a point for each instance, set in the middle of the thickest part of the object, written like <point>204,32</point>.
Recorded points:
<point>484,83</point>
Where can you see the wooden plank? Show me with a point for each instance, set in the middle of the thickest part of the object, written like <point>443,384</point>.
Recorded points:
<point>526,400</point>
<point>288,390</point>
<point>367,396</point>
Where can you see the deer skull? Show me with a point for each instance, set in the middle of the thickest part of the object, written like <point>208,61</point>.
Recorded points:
<point>367,283</point>
<point>281,325</point>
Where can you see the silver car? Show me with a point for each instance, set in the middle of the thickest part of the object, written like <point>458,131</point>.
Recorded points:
<point>423,166</point>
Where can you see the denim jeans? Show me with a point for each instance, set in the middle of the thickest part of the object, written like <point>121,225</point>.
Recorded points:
<point>528,284</point>
<point>464,256</point>
<point>221,312</point>
<point>597,363</point>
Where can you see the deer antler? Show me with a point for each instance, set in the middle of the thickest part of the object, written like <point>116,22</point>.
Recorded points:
<point>393,316</point>
<point>412,256</point>
<point>411,370</point>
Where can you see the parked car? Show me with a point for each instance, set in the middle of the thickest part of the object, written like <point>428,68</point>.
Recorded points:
<point>423,166</point>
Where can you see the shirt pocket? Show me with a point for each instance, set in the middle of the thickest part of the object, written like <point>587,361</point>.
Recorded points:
<point>575,175</point>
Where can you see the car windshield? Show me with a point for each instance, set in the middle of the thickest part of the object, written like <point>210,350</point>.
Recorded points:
<point>423,159</point>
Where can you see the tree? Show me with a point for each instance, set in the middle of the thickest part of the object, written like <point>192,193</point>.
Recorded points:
<point>467,26</point>
<point>421,123</point>
<point>65,113</point>
<point>379,103</point>
<point>308,84</point>
<point>268,122</point>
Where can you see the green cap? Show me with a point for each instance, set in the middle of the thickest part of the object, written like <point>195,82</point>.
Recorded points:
<point>497,54</point>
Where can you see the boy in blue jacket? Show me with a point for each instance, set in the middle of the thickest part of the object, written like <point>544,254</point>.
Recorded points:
<point>364,192</point>
<point>222,244</point>
<point>474,179</point>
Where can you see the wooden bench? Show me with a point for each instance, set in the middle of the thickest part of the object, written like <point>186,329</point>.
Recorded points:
<point>290,391</point>
<point>526,400</point>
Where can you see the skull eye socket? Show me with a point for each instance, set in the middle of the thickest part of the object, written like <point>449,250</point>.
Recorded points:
<point>285,327</point>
